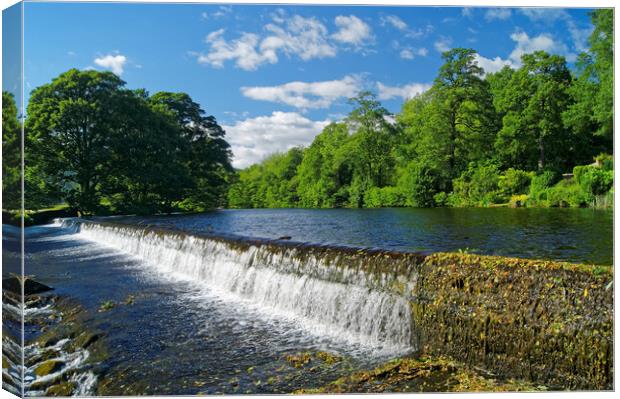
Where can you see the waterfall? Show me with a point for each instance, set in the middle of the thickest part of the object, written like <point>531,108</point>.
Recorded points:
<point>339,292</point>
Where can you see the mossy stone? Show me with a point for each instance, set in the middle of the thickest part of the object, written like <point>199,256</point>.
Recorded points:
<point>62,389</point>
<point>48,367</point>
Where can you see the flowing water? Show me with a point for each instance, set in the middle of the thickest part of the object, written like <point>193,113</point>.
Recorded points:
<point>213,315</point>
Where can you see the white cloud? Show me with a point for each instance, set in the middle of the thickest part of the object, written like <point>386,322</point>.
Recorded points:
<point>501,14</point>
<point>547,15</point>
<point>544,42</point>
<point>253,139</point>
<point>352,30</point>
<point>395,21</point>
<point>405,92</point>
<point>242,50</point>
<point>305,95</point>
<point>492,65</point>
<point>443,44</point>
<point>113,62</point>
<point>304,37</point>
<point>409,53</point>
<point>467,12</point>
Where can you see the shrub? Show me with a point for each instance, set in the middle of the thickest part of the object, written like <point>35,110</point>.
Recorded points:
<point>594,180</point>
<point>514,181</point>
<point>517,201</point>
<point>543,181</point>
<point>384,197</point>
<point>441,199</point>
<point>605,161</point>
<point>419,184</point>
<point>478,185</point>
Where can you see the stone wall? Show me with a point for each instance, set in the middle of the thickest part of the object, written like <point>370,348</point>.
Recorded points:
<point>543,321</point>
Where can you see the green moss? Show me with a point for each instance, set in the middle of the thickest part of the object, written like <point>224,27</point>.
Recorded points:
<point>63,389</point>
<point>48,367</point>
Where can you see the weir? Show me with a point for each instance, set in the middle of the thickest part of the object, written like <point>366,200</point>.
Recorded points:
<point>348,294</point>
<point>542,321</point>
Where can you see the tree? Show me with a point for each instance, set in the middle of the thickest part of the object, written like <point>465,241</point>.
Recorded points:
<point>70,121</point>
<point>533,135</point>
<point>590,116</point>
<point>146,170</point>
<point>465,104</point>
<point>209,156</point>
<point>11,153</point>
<point>325,170</point>
<point>374,138</point>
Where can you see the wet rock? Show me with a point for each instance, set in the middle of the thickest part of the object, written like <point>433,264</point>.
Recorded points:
<point>63,389</point>
<point>48,367</point>
<point>14,285</point>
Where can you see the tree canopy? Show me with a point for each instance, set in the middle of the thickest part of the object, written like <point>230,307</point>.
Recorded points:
<point>472,138</point>
<point>102,148</point>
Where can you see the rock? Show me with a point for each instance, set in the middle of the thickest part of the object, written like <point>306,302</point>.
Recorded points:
<point>14,285</point>
<point>62,389</point>
<point>285,238</point>
<point>48,367</point>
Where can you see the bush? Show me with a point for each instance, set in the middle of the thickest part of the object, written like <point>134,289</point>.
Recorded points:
<point>514,181</point>
<point>605,161</point>
<point>543,181</point>
<point>384,197</point>
<point>419,184</point>
<point>594,180</point>
<point>478,185</point>
<point>566,193</point>
<point>518,201</point>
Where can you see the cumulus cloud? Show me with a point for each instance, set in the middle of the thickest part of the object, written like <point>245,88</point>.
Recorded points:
<point>305,95</point>
<point>443,44</point>
<point>524,45</point>
<point>352,30</point>
<point>501,14</point>
<point>409,53</point>
<point>395,21</point>
<point>544,42</point>
<point>492,65</point>
<point>547,15</point>
<point>115,62</point>
<point>253,139</point>
<point>306,38</point>
<point>405,92</point>
<point>402,26</point>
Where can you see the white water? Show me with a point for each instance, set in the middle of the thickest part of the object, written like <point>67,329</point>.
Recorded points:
<point>354,311</point>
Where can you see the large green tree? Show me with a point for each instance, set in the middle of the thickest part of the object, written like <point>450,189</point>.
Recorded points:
<point>11,153</point>
<point>70,121</point>
<point>464,102</point>
<point>209,157</point>
<point>533,135</point>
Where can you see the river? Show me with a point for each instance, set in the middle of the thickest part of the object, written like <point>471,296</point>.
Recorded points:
<point>204,319</point>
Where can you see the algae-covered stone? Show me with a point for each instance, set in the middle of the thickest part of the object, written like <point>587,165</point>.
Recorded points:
<point>48,367</point>
<point>63,389</point>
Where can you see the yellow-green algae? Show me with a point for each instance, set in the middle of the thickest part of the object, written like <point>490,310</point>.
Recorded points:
<point>535,320</point>
<point>423,374</point>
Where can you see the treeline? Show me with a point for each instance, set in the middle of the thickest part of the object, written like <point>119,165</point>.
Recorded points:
<point>101,148</point>
<point>472,139</point>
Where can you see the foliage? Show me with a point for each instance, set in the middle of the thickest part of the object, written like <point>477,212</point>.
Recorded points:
<point>11,157</point>
<point>514,181</point>
<point>103,148</point>
<point>478,185</point>
<point>594,180</point>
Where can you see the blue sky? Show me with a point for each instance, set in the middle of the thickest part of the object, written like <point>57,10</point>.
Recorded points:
<point>274,76</point>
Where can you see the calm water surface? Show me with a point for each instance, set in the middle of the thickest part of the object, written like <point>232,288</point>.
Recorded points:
<point>574,235</point>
